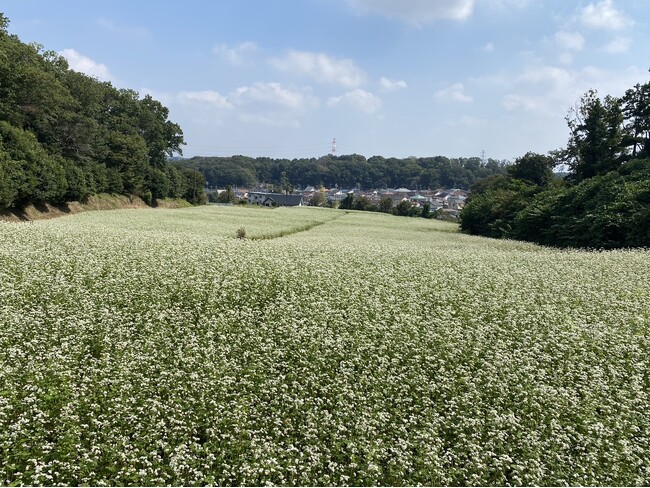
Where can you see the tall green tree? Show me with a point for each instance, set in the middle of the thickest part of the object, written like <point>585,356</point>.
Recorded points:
<point>65,135</point>
<point>534,168</point>
<point>596,135</point>
<point>636,111</point>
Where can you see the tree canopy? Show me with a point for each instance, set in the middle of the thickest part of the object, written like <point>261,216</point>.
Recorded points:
<point>65,136</point>
<point>345,171</point>
<point>605,201</point>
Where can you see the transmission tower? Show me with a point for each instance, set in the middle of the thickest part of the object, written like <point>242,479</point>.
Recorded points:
<point>333,150</point>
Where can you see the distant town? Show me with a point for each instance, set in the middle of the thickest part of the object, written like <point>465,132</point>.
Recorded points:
<point>447,201</point>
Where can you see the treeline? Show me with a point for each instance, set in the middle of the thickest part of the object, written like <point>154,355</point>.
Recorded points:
<point>346,171</point>
<point>65,136</point>
<point>604,202</point>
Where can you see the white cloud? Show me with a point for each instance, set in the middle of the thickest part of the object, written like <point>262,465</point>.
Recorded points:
<point>618,45</point>
<point>391,85</point>
<point>258,95</point>
<point>416,12</point>
<point>359,99</point>
<point>488,47</point>
<point>603,15</point>
<point>570,40</point>
<point>236,55</point>
<point>454,93</point>
<point>84,64</point>
<point>207,97</point>
<point>551,76</point>
<point>274,94</point>
<point>546,90</point>
<point>321,67</point>
<point>265,104</point>
<point>550,91</point>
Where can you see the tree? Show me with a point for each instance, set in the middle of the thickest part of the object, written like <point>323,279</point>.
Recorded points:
<point>163,138</point>
<point>491,213</point>
<point>533,167</point>
<point>385,204</point>
<point>595,143</point>
<point>227,196</point>
<point>65,135</point>
<point>194,186</point>
<point>318,199</point>
<point>404,209</point>
<point>362,203</point>
<point>284,183</point>
<point>426,210</point>
<point>4,23</point>
<point>348,202</point>
<point>636,110</point>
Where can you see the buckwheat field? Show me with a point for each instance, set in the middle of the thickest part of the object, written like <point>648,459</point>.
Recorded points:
<point>154,347</point>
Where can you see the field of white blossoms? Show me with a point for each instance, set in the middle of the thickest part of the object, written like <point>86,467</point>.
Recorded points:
<point>153,347</point>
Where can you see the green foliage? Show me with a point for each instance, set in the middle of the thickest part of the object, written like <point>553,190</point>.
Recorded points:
<point>65,136</point>
<point>405,209</point>
<point>635,105</point>
<point>318,199</point>
<point>533,168</point>
<point>491,212</point>
<point>52,181</point>
<point>385,204</point>
<point>345,171</point>
<point>596,144</point>
<point>77,189</point>
<point>362,203</point>
<point>609,211</point>
<point>426,211</point>
<point>158,183</point>
<point>193,188</point>
<point>604,212</point>
<point>608,205</point>
<point>348,202</point>
<point>227,196</point>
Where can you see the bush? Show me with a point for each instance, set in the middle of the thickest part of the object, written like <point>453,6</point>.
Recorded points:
<point>603,212</point>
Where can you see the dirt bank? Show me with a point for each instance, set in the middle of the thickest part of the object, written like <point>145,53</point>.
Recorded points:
<point>102,201</point>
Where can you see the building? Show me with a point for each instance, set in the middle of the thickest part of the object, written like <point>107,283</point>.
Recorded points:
<point>275,199</point>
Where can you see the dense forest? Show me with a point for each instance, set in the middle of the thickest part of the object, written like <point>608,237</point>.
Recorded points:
<point>603,203</point>
<point>65,136</point>
<point>346,171</point>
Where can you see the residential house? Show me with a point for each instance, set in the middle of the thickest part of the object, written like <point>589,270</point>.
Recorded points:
<point>275,199</point>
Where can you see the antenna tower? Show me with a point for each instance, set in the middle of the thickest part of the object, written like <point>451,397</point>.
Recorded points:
<point>483,160</point>
<point>333,150</point>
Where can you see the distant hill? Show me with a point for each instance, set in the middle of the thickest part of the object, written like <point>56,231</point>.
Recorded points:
<point>347,171</point>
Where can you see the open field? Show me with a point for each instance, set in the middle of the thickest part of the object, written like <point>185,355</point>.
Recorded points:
<point>153,347</point>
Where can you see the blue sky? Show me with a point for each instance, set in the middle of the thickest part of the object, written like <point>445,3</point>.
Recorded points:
<point>384,77</point>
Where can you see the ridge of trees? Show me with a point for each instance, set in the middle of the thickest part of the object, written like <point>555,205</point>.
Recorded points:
<point>65,136</point>
<point>603,203</point>
<point>345,171</point>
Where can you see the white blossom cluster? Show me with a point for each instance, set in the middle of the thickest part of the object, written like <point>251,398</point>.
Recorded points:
<point>155,348</point>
